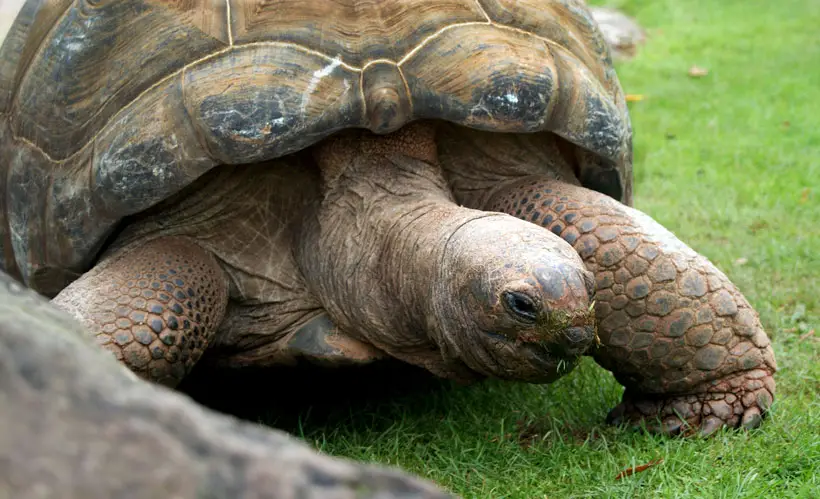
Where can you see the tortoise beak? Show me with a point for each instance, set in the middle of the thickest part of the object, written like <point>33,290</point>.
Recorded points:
<point>574,341</point>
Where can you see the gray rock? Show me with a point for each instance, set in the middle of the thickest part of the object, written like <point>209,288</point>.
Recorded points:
<point>74,423</point>
<point>621,32</point>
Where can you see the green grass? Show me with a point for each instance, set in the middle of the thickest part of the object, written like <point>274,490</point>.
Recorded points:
<point>731,164</point>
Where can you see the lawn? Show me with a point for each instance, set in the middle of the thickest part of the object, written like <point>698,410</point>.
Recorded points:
<point>730,162</point>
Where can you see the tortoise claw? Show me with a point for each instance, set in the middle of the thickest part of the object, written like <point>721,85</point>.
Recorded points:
<point>702,413</point>
<point>710,425</point>
<point>672,426</point>
<point>752,418</point>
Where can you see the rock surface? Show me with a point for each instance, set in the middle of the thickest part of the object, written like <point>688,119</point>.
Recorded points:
<point>621,32</point>
<point>76,424</point>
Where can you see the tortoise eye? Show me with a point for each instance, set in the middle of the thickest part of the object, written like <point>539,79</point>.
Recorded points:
<point>521,305</point>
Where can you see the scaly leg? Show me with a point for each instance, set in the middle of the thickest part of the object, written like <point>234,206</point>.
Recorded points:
<point>674,330</point>
<point>154,305</point>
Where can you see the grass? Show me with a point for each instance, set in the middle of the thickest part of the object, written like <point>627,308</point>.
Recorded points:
<point>729,162</point>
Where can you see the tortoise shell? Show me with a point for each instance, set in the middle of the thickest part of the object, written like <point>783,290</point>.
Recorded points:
<point>107,108</point>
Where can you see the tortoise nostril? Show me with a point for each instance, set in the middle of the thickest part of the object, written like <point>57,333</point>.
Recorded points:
<point>577,335</point>
<point>577,340</point>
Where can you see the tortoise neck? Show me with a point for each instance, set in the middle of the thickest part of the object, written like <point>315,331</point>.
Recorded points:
<point>372,250</point>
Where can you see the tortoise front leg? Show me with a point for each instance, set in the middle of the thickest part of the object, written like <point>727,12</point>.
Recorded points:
<point>154,305</point>
<point>674,330</point>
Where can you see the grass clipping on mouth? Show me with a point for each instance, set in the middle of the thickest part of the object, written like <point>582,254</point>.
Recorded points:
<point>555,323</point>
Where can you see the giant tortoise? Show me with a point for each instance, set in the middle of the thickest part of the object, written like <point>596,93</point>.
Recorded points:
<point>443,182</point>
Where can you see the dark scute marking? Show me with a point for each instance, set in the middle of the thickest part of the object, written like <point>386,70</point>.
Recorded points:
<point>513,100</point>
<point>548,219</point>
<point>179,295</point>
<point>530,208</point>
<point>133,176</point>
<point>155,309</point>
<point>177,308</point>
<point>557,229</point>
<point>243,128</point>
<point>605,129</point>
<point>559,207</point>
<point>173,324</point>
<point>569,217</point>
<point>535,216</point>
<point>156,325</point>
<point>570,237</point>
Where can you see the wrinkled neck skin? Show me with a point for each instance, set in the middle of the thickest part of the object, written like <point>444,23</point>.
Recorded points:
<point>374,246</point>
<point>398,264</point>
<point>478,163</point>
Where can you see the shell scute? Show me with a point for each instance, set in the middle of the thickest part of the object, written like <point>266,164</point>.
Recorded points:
<point>34,21</point>
<point>261,102</point>
<point>487,79</point>
<point>356,32</point>
<point>99,58</point>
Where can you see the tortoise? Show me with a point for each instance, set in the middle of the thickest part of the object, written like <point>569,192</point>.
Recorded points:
<point>447,183</point>
<point>71,409</point>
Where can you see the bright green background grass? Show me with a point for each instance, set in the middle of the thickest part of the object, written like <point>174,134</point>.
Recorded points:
<point>731,164</point>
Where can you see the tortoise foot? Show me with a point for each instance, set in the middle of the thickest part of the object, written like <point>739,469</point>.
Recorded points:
<point>154,306</point>
<point>670,323</point>
<point>739,401</point>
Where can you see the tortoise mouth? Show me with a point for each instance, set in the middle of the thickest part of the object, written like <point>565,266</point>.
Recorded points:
<point>548,362</point>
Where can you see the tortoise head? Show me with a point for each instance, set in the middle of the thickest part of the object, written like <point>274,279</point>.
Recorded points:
<point>514,301</point>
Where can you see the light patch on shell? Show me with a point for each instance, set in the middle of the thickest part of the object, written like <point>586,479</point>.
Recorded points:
<point>509,100</point>
<point>318,75</point>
